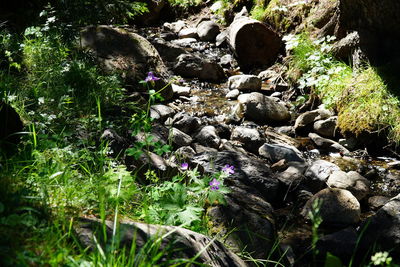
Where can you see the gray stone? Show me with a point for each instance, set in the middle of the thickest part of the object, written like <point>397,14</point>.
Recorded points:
<point>327,144</point>
<point>244,82</point>
<point>128,53</point>
<point>338,208</point>
<point>151,161</point>
<point>216,6</point>
<point>179,138</point>
<point>233,94</point>
<point>184,42</point>
<point>262,108</point>
<point>246,222</point>
<point>208,30</point>
<point>226,61</point>
<point>221,38</point>
<point>181,90</point>
<point>293,175</point>
<point>161,112</point>
<point>250,138</point>
<point>167,50</point>
<point>377,202</point>
<point>276,152</point>
<point>184,153</point>
<point>341,244</point>
<point>185,123</point>
<point>326,127</point>
<point>352,181</point>
<point>321,170</point>
<point>115,142</point>
<point>186,242</point>
<point>191,66</point>
<point>305,121</point>
<point>175,26</point>
<point>248,170</point>
<point>384,228</point>
<point>188,33</point>
<point>208,137</point>
<point>349,143</point>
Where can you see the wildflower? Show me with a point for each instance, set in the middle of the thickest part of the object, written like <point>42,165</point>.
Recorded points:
<point>214,184</point>
<point>228,169</point>
<point>184,166</point>
<point>150,77</point>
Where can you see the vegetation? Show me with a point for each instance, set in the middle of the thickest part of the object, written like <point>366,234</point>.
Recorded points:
<point>361,98</point>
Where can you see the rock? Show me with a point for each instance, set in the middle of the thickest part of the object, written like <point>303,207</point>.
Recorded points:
<point>269,74</point>
<point>161,112</point>
<point>276,152</point>
<point>246,221</point>
<point>168,36</point>
<point>203,149</point>
<point>232,94</point>
<point>244,82</point>
<point>181,90</point>
<point>249,137</point>
<point>377,202</point>
<point>179,138</point>
<point>276,94</point>
<point>184,42</point>
<point>338,208</point>
<point>253,42</point>
<point>352,181</point>
<point>327,144</point>
<point>208,30</point>
<point>116,143</point>
<point>326,127</point>
<point>208,137</point>
<point>344,48</point>
<point>263,109</point>
<point>216,6</point>
<point>129,53</point>
<point>249,171</point>
<point>175,26</point>
<point>188,33</point>
<point>151,161</point>
<point>221,38</point>
<point>10,126</point>
<point>319,172</point>
<point>279,165</point>
<point>349,143</point>
<point>185,123</point>
<point>281,138</point>
<point>191,66</point>
<point>242,13</point>
<point>341,244</point>
<point>226,61</point>
<point>383,229</point>
<point>293,175</point>
<point>184,153</point>
<point>186,243</point>
<point>305,121</point>
<point>168,51</point>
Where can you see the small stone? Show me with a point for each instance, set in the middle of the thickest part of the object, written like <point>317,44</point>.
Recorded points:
<point>377,202</point>
<point>250,138</point>
<point>276,152</point>
<point>208,30</point>
<point>244,82</point>
<point>179,138</point>
<point>161,112</point>
<point>232,94</point>
<point>208,137</point>
<point>188,33</point>
<point>327,144</point>
<point>305,121</point>
<point>181,90</point>
<point>326,127</point>
<point>352,181</point>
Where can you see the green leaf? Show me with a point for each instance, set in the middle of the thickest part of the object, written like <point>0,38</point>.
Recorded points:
<point>332,261</point>
<point>190,214</point>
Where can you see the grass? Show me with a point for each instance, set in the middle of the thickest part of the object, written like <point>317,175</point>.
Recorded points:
<point>362,99</point>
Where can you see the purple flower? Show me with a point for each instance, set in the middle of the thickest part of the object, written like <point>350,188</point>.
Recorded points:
<point>184,166</point>
<point>229,169</point>
<point>150,77</point>
<point>214,184</point>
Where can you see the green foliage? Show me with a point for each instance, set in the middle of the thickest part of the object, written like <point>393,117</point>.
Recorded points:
<point>185,3</point>
<point>362,99</point>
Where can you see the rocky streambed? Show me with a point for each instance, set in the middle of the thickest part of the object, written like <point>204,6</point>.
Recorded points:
<point>285,160</point>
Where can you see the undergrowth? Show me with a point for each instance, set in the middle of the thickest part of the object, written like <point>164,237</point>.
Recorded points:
<point>361,98</point>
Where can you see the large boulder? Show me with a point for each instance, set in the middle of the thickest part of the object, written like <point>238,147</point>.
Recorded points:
<point>384,227</point>
<point>338,207</point>
<point>128,53</point>
<point>253,42</point>
<point>246,222</point>
<point>192,66</point>
<point>248,170</point>
<point>187,244</point>
<point>263,109</point>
